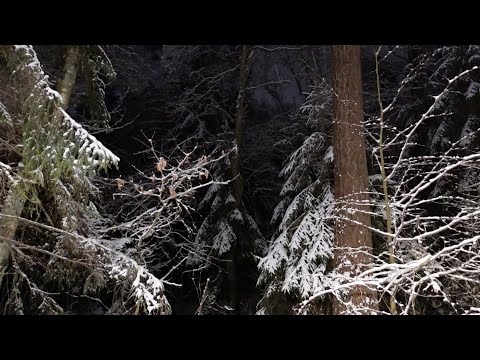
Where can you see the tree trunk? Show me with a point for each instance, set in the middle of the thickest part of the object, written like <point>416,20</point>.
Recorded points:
<point>237,183</point>
<point>12,207</point>
<point>15,200</point>
<point>351,177</point>
<point>70,69</point>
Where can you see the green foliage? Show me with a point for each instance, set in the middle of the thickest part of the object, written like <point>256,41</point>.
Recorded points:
<point>59,157</point>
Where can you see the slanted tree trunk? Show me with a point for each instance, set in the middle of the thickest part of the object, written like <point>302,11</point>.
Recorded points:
<point>237,183</point>
<point>350,176</point>
<point>15,201</point>
<point>70,69</point>
<point>12,208</point>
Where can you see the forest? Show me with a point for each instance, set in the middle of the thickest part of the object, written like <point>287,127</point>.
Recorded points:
<point>239,179</point>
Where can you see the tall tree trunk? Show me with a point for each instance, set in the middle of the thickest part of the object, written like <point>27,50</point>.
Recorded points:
<point>350,175</point>
<point>237,183</point>
<point>15,201</point>
<point>70,69</point>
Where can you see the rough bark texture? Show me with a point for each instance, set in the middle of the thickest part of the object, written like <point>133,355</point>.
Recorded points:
<point>70,69</point>
<point>350,175</point>
<point>237,183</point>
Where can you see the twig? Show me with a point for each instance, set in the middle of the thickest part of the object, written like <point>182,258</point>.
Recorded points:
<point>204,297</point>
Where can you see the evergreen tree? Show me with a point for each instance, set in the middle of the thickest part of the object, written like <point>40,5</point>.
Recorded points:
<point>57,159</point>
<point>301,247</point>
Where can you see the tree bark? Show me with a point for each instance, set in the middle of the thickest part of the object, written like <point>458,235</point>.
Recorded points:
<point>351,177</point>
<point>237,183</point>
<point>70,69</point>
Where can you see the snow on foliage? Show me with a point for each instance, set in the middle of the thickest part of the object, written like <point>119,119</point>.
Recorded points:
<point>302,245</point>
<point>4,115</point>
<point>440,139</point>
<point>302,249</point>
<point>225,237</point>
<point>146,290</point>
<point>469,131</point>
<point>299,164</point>
<point>59,157</point>
<point>55,146</point>
<point>473,90</point>
<point>219,230</point>
<point>89,149</point>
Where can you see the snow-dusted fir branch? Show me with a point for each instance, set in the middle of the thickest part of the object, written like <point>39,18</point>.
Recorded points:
<point>301,247</point>
<point>58,158</point>
<point>143,293</point>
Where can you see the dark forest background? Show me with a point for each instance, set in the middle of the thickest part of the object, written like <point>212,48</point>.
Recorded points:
<point>250,129</point>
